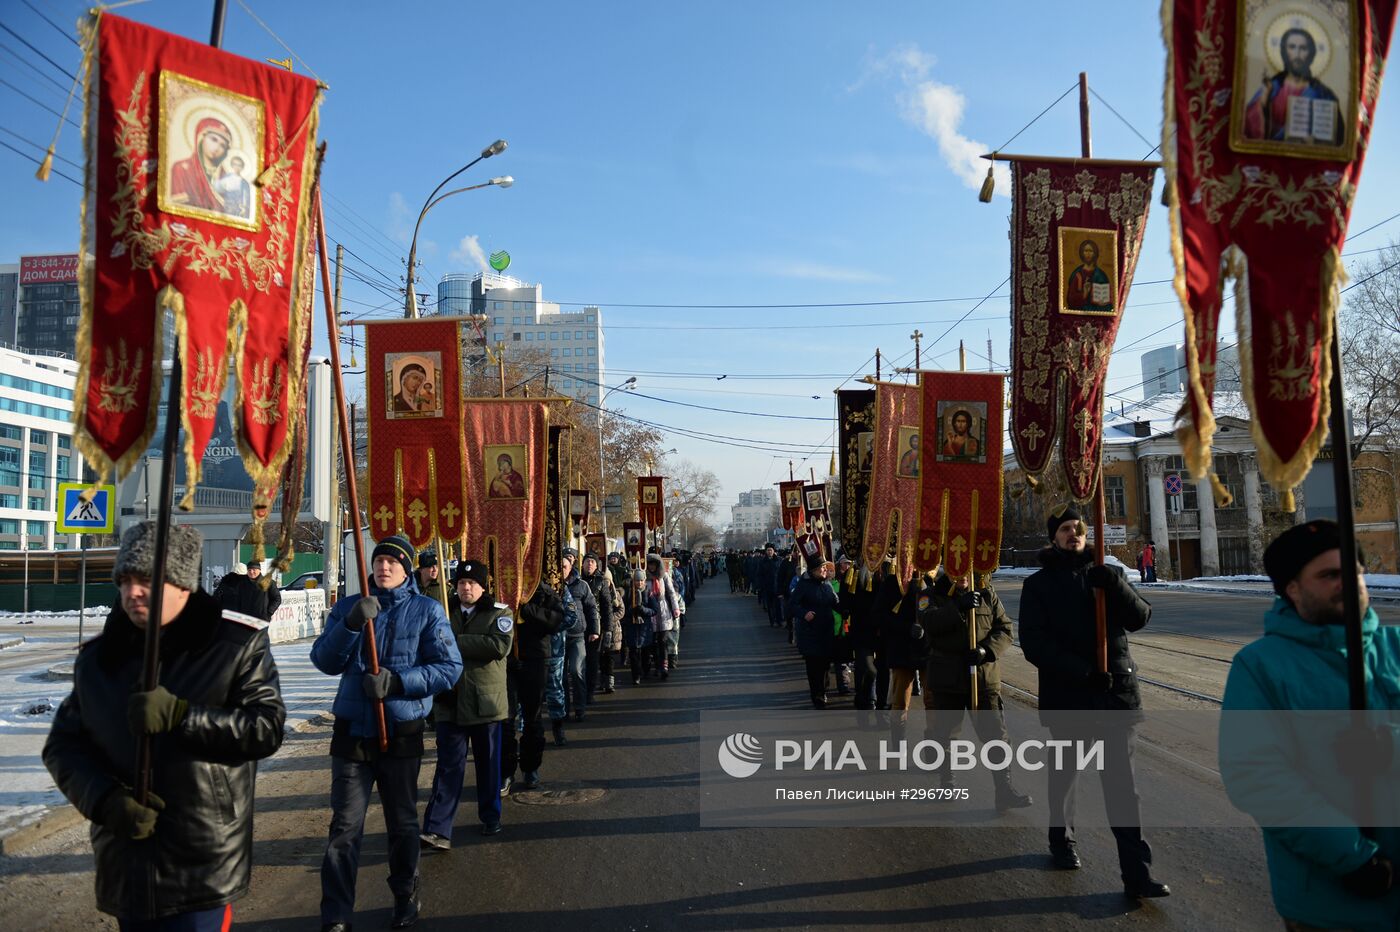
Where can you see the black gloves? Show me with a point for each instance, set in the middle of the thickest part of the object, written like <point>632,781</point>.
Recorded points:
<point>366,609</point>
<point>154,712</point>
<point>129,819</point>
<point>1371,880</point>
<point>1100,682</point>
<point>381,685</point>
<point>968,600</point>
<point>977,656</point>
<point>1104,577</point>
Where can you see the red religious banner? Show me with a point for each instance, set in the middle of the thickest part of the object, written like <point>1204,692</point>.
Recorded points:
<point>505,462</point>
<point>1269,109</point>
<point>1076,233</point>
<point>634,537</point>
<point>651,504</point>
<point>960,483</point>
<point>892,519</point>
<point>790,493</point>
<point>413,399</point>
<point>200,165</point>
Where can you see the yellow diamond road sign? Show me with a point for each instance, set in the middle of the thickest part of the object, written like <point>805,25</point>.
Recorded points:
<point>76,516</point>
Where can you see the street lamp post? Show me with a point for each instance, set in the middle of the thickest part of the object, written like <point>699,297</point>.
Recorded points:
<point>410,301</point>
<point>627,386</point>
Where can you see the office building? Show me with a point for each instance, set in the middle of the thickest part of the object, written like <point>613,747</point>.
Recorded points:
<point>47,317</point>
<point>514,314</point>
<point>36,447</point>
<point>1164,370</point>
<point>9,303</point>
<point>752,517</point>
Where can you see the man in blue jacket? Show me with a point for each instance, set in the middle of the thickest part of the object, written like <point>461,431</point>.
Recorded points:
<point>1325,870</point>
<point>418,658</point>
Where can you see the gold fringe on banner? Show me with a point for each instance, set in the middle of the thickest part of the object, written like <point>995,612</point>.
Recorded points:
<point>989,183</point>
<point>1222,495</point>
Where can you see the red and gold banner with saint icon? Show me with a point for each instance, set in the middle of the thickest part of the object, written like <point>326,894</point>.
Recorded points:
<point>960,483</point>
<point>815,509</point>
<point>651,502</point>
<point>1076,235</point>
<point>597,544</point>
<point>197,202</point>
<point>506,464</point>
<point>578,510</point>
<point>790,504</point>
<point>413,401</point>
<point>1269,108</point>
<point>892,520</point>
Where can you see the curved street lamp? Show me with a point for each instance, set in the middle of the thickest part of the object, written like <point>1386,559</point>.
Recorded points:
<point>410,301</point>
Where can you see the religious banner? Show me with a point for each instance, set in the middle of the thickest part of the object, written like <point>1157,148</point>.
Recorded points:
<point>790,504</point>
<point>1076,234</point>
<point>855,421</point>
<point>413,413</point>
<point>554,532</point>
<point>812,547</point>
<point>893,518</point>
<point>1269,108</point>
<point>651,504</point>
<point>960,483</point>
<point>506,467</point>
<point>597,544</point>
<point>634,540</point>
<point>200,165</point>
<point>814,506</point>
<point>578,509</point>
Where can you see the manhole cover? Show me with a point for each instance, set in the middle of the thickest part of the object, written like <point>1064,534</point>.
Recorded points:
<point>559,794</point>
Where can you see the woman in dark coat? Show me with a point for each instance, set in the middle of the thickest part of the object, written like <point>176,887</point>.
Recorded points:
<point>810,611</point>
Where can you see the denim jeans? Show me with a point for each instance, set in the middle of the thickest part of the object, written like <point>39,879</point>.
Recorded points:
<point>452,741</point>
<point>554,690</point>
<point>351,782</point>
<point>575,675</point>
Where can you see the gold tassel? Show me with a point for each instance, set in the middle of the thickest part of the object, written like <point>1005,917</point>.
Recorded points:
<point>988,184</point>
<point>46,166</point>
<point>1222,495</point>
<point>831,470</point>
<point>1286,502</point>
<point>1018,491</point>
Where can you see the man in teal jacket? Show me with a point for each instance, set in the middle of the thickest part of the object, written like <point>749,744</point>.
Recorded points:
<point>1326,872</point>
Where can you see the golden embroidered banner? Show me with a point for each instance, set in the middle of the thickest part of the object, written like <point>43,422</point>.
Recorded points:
<point>855,412</point>
<point>1076,234</point>
<point>651,502</point>
<point>413,400</point>
<point>1269,108</point>
<point>506,465</point>
<point>200,165</point>
<point>891,522</point>
<point>960,483</point>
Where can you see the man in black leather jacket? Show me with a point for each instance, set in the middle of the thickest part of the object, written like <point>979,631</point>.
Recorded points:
<point>1058,637</point>
<point>186,854</point>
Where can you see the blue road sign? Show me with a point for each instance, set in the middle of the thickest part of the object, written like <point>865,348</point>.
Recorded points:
<point>1172,483</point>
<point>76,516</point>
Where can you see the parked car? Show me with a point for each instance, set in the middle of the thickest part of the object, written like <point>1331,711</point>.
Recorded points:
<point>312,580</point>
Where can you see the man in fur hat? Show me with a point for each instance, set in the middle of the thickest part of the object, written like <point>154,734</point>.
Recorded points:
<point>1058,637</point>
<point>180,858</point>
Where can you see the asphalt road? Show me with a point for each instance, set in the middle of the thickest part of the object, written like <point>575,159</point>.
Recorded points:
<point>638,857</point>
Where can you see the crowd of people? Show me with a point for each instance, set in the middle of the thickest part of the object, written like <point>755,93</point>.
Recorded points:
<point>176,855</point>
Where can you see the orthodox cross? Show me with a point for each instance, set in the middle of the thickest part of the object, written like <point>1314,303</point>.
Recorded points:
<point>450,513</point>
<point>916,336</point>
<point>927,548</point>
<point>1032,433</point>
<point>958,547</point>
<point>382,516</point>
<point>417,511</point>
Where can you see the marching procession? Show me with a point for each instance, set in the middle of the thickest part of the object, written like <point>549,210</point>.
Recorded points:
<point>495,596</point>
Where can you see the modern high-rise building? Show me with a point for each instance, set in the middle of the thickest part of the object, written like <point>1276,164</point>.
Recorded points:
<point>514,313</point>
<point>9,303</point>
<point>753,517</point>
<point>47,321</point>
<point>1164,370</point>
<point>36,447</point>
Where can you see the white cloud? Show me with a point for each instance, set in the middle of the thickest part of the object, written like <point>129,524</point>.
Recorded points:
<point>937,110</point>
<point>400,229</point>
<point>469,251</point>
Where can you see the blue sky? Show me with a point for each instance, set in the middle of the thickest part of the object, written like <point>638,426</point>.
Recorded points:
<point>776,153</point>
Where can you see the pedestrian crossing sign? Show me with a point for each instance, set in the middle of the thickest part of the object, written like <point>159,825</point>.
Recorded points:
<point>76,516</point>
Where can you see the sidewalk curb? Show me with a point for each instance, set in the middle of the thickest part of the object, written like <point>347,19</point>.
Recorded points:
<point>11,642</point>
<point>50,822</point>
<point>1375,595</point>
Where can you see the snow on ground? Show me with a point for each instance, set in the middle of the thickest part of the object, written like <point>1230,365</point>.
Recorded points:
<point>29,698</point>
